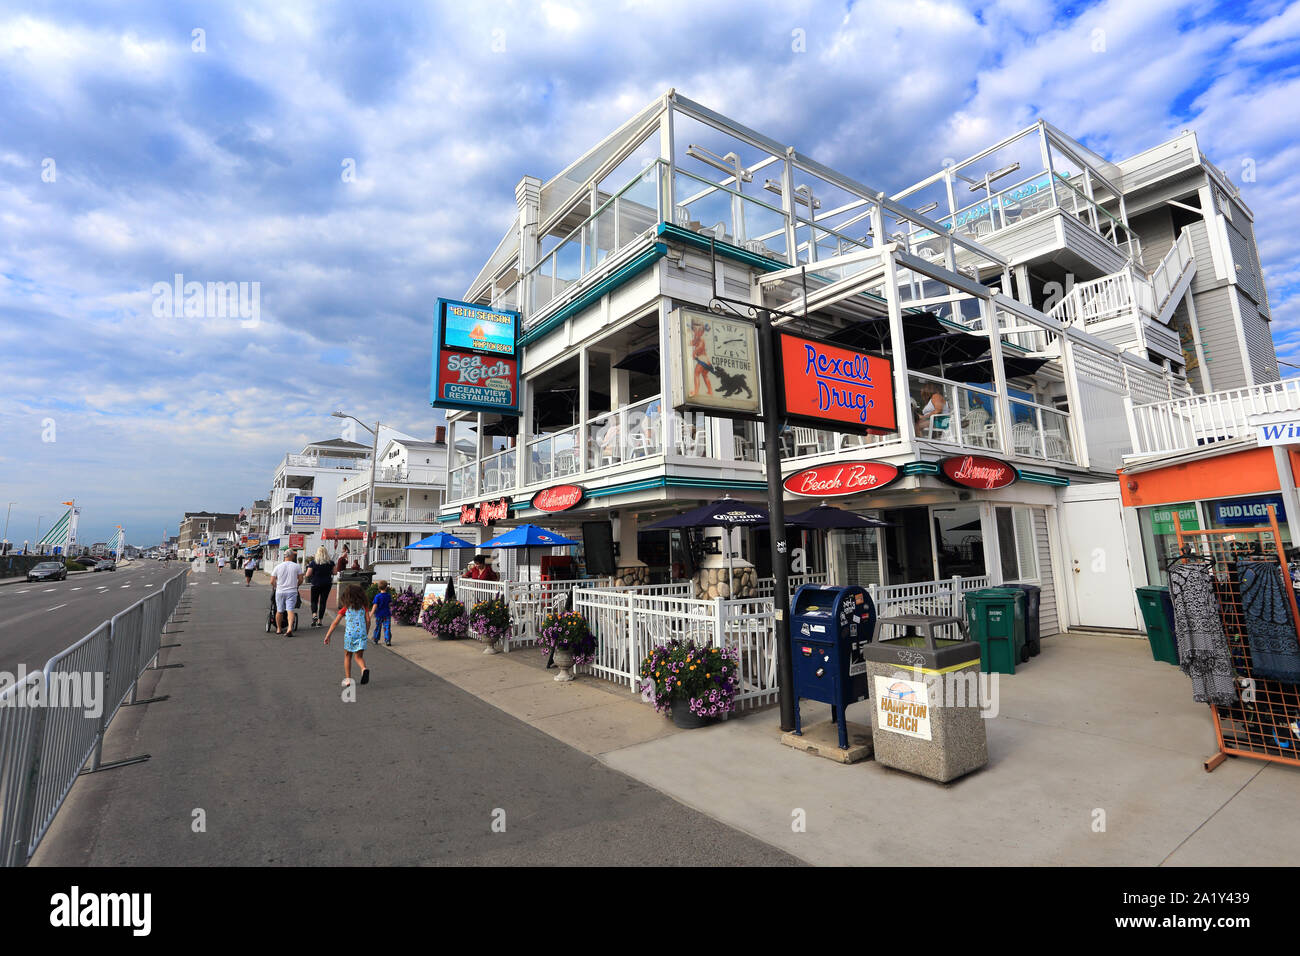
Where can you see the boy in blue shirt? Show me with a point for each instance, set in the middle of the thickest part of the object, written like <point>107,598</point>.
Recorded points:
<point>383,614</point>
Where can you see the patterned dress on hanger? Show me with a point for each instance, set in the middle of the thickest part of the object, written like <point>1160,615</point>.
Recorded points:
<point>1202,646</point>
<point>1274,650</point>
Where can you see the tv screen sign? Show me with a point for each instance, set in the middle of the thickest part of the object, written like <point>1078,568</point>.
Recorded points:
<point>826,385</point>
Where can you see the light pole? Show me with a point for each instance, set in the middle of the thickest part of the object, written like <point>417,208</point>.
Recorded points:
<point>37,543</point>
<point>370,492</point>
<point>4,542</point>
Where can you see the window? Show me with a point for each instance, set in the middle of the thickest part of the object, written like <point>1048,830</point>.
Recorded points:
<point>1017,550</point>
<point>959,541</point>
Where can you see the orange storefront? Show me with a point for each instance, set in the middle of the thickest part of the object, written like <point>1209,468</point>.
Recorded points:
<point>1209,488</point>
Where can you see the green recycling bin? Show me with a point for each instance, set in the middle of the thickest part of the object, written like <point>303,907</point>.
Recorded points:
<point>995,618</point>
<point>1158,613</point>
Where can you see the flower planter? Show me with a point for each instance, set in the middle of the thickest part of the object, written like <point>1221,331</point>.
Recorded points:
<point>564,661</point>
<point>491,648</point>
<point>682,716</point>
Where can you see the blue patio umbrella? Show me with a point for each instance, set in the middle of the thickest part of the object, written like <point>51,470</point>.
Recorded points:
<point>440,541</point>
<point>529,536</point>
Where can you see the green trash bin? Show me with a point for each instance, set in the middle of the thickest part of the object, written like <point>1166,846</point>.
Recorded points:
<point>1158,613</point>
<point>995,618</point>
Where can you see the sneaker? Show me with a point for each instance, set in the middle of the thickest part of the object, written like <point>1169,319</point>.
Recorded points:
<point>388,643</point>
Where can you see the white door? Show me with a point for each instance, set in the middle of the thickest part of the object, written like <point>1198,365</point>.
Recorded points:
<point>1098,562</point>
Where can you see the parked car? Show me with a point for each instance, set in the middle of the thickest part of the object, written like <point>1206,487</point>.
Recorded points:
<point>48,571</point>
<point>108,564</point>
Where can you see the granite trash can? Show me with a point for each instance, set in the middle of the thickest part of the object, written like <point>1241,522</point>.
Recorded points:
<point>927,717</point>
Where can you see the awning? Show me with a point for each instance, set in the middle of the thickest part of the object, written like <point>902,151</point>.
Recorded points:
<point>342,534</point>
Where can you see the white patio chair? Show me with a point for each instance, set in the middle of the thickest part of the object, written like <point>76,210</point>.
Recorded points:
<point>1025,437</point>
<point>806,441</point>
<point>692,440</point>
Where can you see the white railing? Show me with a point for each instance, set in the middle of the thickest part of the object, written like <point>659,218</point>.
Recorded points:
<point>1165,276</point>
<point>529,602</point>
<point>392,556</point>
<point>1186,423</point>
<point>940,598</point>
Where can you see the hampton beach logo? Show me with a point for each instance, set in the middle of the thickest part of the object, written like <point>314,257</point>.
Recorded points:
<point>208,300</point>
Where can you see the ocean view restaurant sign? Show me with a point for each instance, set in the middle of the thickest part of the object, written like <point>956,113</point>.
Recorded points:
<point>475,358</point>
<point>828,386</point>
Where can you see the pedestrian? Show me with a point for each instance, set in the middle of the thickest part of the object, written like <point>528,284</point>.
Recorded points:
<point>343,560</point>
<point>250,565</point>
<point>320,575</point>
<point>221,562</point>
<point>285,579</point>
<point>383,613</point>
<point>352,610</point>
<point>475,569</point>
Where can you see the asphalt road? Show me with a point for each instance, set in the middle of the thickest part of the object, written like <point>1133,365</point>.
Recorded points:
<point>257,760</point>
<point>40,619</point>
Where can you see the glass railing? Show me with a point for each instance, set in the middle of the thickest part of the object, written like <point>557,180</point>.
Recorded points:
<point>728,216</point>
<point>953,413</point>
<point>1095,216</point>
<point>1040,432</point>
<point>462,482</point>
<point>619,219</point>
<point>625,435</point>
<point>552,456</point>
<point>498,473</point>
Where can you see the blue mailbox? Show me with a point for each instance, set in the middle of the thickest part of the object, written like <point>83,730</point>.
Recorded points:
<point>828,627</point>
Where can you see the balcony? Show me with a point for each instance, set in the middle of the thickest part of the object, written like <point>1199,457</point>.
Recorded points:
<point>1185,424</point>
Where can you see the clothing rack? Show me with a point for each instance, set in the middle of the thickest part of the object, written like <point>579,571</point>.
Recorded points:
<point>1258,725</point>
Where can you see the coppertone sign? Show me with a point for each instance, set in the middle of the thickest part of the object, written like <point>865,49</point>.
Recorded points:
<point>486,513</point>
<point>976,471</point>
<point>848,478</point>
<point>559,498</point>
<point>826,384</point>
<point>715,363</point>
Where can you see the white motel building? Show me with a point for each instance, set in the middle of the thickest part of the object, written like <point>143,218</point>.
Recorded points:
<point>1029,298</point>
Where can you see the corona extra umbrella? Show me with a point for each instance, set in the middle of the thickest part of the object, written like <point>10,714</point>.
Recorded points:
<point>726,513</point>
<point>440,541</point>
<point>528,536</point>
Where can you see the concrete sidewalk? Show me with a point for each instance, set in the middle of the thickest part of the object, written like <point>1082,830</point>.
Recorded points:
<point>256,742</point>
<point>1095,759</point>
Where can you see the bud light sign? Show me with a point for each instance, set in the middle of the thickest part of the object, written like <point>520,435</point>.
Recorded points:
<point>827,384</point>
<point>478,374</point>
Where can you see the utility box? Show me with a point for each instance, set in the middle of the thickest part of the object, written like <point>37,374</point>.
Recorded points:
<point>995,618</point>
<point>928,718</point>
<point>829,627</point>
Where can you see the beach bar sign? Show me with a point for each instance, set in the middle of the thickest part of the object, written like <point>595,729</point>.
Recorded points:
<point>826,384</point>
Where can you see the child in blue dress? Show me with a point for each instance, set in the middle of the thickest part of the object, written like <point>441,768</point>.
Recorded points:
<point>355,614</point>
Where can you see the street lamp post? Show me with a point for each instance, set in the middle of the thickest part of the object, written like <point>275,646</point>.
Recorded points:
<point>4,542</point>
<point>370,493</point>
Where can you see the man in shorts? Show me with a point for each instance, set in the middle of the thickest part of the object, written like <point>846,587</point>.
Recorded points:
<point>285,578</point>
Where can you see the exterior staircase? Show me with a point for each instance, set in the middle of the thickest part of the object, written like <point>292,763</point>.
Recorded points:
<point>1131,309</point>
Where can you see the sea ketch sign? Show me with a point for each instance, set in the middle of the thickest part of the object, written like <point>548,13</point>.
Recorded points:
<point>486,513</point>
<point>847,478</point>
<point>976,471</point>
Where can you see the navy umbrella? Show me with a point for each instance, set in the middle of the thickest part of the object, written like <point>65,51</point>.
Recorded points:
<point>726,512</point>
<point>982,371</point>
<point>826,517</point>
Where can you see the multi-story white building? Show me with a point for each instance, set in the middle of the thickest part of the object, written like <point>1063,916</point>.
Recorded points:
<point>410,478</point>
<point>316,471</point>
<point>1026,296</point>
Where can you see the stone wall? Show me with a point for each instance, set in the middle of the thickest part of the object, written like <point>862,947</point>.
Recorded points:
<point>632,576</point>
<point>712,583</point>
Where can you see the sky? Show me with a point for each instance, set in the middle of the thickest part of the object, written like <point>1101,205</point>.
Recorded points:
<point>350,163</point>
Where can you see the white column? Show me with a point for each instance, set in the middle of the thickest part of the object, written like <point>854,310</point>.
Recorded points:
<point>1290,500</point>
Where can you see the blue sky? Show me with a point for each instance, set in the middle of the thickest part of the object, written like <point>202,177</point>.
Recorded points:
<point>224,164</point>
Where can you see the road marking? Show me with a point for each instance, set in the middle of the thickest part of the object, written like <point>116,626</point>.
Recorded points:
<point>48,590</point>
<point>148,585</point>
<point>56,607</point>
<point>76,589</point>
<point>126,585</point>
<point>22,592</point>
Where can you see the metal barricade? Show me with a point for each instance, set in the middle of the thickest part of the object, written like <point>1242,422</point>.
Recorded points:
<point>73,706</point>
<point>53,722</point>
<point>20,732</point>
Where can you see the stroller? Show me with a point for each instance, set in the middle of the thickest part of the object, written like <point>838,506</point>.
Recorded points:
<point>270,614</point>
